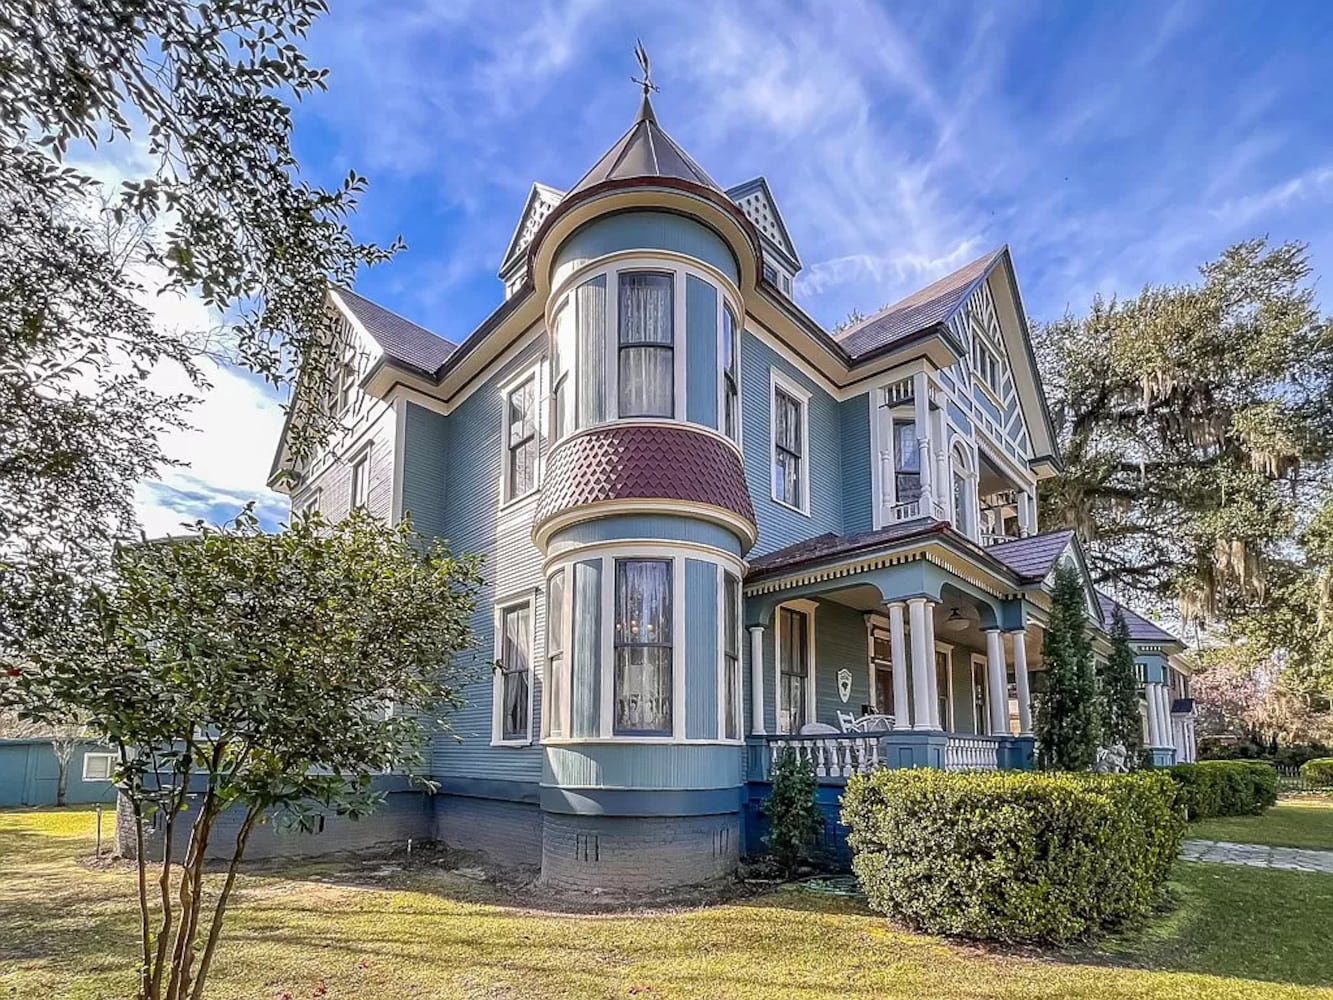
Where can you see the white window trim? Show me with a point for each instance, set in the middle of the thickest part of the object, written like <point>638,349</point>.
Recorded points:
<point>359,459</point>
<point>110,759</point>
<point>808,608</point>
<point>528,598</point>
<point>737,708</point>
<point>541,410</point>
<point>777,380</point>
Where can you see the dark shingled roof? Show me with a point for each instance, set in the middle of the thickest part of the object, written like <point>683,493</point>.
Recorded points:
<point>828,546</point>
<point>933,304</point>
<point>399,338</point>
<point>644,462</point>
<point>1140,629</point>
<point>645,151</point>
<point>1032,557</point>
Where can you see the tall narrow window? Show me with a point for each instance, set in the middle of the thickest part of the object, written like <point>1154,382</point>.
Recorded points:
<point>643,647</point>
<point>647,336</point>
<point>794,670</point>
<point>562,363</point>
<point>731,376</point>
<point>788,448</point>
<point>980,704</point>
<point>731,656</point>
<point>590,307</point>
<point>521,439</point>
<point>881,656</point>
<point>514,681</point>
<point>360,480</point>
<point>555,710</point>
<point>942,686</point>
<point>346,381</point>
<point>906,461</point>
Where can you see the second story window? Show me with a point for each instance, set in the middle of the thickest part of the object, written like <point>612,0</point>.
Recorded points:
<point>790,434</point>
<point>360,480</point>
<point>906,461</point>
<point>731,376</point>
<point>647,345</point>
<point>521,443</point>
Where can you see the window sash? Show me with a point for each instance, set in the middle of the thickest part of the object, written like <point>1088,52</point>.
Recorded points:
<point>794,653</point>
<point>555,653</point>
<point>516,672</point>
<point>522,443</point>
<point>788,447</point>
<point>643,682</point>
<point>730,376</point>
<point>731,656</point>
<point>590,347</point>
<point>646,344</point>
<point>359,485</point>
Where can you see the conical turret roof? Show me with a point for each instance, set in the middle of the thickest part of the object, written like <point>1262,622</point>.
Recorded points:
<point>645,151</point>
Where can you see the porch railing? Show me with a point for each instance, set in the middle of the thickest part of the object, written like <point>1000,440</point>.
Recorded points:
<point>835,755</point>
<point>971,753</point>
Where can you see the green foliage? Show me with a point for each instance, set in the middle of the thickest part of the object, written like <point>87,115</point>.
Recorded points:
<point>1120,721</point>
<point>1225,788</point>
<point>1012,856</point>
<point>1066,717</point>
<point>1318,771</point>
<point>276,671</point>
<point>794,819</point>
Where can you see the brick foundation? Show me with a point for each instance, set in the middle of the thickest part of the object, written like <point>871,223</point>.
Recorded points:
<point>638,852</point>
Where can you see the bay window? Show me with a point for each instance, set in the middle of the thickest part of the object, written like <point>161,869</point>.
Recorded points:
<point>513,675</point>
<point>554,712</point>
<point>646,365</point>
<point>562,364</point>
<point>643,648</point>
<point>521,442</point>
<point>731,376</point>
<point>731,657</point>
<point>590,306</point>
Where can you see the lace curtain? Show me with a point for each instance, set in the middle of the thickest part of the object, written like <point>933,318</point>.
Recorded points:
<point>647,383</point>
<point>643,650</point>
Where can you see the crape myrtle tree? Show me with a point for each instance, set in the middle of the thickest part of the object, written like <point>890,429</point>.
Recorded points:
<point>266,674</point>
<point>1121,723</point>
<point>1066,723</point>
<point>1195,424</point>
<point>197,98</point>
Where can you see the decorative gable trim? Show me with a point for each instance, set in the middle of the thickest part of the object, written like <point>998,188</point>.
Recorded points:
<point>755,199</point>
<point>541,199</point>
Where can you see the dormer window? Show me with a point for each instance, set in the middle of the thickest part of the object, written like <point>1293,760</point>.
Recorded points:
<point>771,274</point>
<point>647,345</point>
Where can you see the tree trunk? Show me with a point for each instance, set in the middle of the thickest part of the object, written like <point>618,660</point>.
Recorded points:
<point>215,924</point>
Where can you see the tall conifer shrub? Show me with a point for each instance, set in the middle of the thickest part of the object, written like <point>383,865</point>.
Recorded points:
<point>1066,723</point>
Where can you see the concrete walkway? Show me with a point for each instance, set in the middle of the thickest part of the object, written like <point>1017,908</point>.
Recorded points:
<point>1258,856</point>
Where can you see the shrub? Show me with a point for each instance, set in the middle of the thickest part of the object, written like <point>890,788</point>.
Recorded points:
<point>1225,787</point>
<point>1318,771</point>
<point>1012,856</point>
<point>794,819</point>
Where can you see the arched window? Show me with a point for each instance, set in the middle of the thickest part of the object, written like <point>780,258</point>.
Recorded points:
<point>964,487</point>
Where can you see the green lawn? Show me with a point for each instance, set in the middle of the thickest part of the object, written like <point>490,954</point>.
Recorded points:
<point>1290,823</point>
<point>67,931</point>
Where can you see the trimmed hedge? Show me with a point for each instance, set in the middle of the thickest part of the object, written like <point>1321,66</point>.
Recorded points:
<point>1012,856</point>
<point>1318,771</point>
<point>1225,788</point>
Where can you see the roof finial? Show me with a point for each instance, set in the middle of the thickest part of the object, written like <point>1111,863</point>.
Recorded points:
<point>645,67</point>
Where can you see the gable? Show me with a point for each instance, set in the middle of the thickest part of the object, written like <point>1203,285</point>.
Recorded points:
<point>999,370</point>
<point>541,199</point>
<point>756,200</point>
<point>1073,556</point>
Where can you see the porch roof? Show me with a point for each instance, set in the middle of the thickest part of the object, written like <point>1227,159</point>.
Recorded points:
<point>1140,629</point>
<point>822,548</point>
<point>1032,557</point>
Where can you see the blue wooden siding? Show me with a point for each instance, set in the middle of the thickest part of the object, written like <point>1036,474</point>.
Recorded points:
<point>638,230</point>
<point>641,765</point>
<point>840,643</point>
<point>701,652</point>
<point>779,525</point>
<point>701,371</point>
<point>425,468</point>
<point>30,774</point>
<point>669,527</point>
<point>473,522</point>
<point>586,662</point>
<point>858,503</point>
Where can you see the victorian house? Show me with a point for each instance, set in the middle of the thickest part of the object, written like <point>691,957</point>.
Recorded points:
<point>712,528</point>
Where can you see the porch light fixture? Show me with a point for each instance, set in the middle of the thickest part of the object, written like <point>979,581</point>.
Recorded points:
<point>957,621</point>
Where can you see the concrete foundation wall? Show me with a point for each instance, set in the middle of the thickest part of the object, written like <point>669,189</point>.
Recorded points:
<point>507,833</point>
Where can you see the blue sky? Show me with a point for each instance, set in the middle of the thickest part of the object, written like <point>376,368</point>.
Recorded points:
<point>1109,144</point>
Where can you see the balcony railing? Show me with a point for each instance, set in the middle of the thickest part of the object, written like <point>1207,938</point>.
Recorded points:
<point>832,755</point>
<point>971,753</point>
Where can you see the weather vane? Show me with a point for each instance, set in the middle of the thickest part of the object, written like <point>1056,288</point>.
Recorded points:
<point>646,67</point>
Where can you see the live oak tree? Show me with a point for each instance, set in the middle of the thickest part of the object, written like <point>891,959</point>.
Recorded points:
<point>270,675</point>
<point>1121,723</point>
<point>1065,722</point>
<point>199,96</point>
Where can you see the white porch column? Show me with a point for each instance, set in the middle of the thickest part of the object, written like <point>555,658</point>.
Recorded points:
<point>1021,683</point>
<point>921,403</point>
<point>997,695</point>
<point>923,673</point>
<point>1154,714</point>
<point>756,680</point>
<point>902,717</point>
<point>935,720</point>
<point>1165,695</point>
